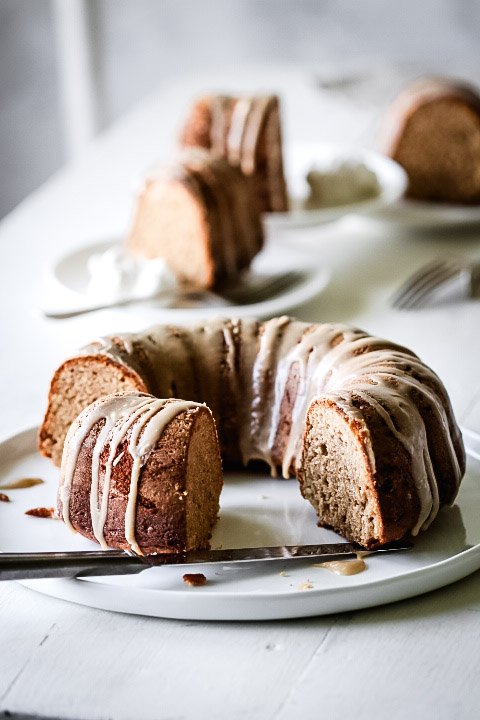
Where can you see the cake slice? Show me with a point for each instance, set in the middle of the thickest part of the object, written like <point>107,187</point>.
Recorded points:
<point>246,131</point>
<point>358,483</point>
<point>201,216</point>
<point>142,473</point>
<point>433,130</point>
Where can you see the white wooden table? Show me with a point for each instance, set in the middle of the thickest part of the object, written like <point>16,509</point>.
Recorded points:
<point>418,658</point>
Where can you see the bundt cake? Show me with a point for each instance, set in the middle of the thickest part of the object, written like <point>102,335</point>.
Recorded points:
<point>142,473</point>
<point>433,130</point>
<point>201,216</point>
<point>363,424</point>
<point>246,131</point>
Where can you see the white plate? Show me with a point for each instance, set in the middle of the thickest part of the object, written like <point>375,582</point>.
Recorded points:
<point>299,159</point>
<point>67,280</point>
<point>255,511</point>
<point>417,215</point>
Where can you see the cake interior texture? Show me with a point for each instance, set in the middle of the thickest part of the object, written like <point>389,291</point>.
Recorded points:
<point>76,387</point>
<point>202,216</point>
<point>432,129</point>
<point>440,150</point>
<point>171,224</point>
<point>337,477</point>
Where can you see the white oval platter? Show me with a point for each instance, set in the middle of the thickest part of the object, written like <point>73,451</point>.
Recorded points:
<point>256,510</point>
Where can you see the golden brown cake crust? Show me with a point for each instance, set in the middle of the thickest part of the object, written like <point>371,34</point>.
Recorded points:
<point>165,521</point>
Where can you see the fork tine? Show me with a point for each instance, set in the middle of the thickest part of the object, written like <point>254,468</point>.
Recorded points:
<point>415,292</point>
<point>270,287</point>
<point>419,294</point>
<point>414,281</point>
<point>423,294</point>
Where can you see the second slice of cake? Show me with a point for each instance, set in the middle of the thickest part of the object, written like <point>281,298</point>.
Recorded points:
<point>201,216</point>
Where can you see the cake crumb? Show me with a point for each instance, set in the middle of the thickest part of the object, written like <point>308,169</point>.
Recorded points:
<point>42,512</point>
<point>283,573</point>
<point>305,586</point>
<point>262,497</point>
<point>4,498</point>
<point>195,579</point>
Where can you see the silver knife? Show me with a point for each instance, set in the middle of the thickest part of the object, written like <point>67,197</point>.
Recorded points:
<point>32,566</point>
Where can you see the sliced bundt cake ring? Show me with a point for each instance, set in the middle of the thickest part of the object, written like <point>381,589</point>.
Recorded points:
<point>142,473</point>
<point>364,425</point>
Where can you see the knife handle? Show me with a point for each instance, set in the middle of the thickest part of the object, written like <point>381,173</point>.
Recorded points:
<point>31,566</point>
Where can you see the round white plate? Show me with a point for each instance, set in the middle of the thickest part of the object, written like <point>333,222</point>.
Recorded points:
<point>67,280</point>
<point>299,159</point>
<point>417,215</point>
<point>255,511</point>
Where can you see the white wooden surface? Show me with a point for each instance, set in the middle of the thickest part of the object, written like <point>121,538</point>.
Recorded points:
<point>417,658</point>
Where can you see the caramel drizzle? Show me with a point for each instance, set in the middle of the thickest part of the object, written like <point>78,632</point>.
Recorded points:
<point>334,361</point>
<point>343,567</point>
<point>146,418</point>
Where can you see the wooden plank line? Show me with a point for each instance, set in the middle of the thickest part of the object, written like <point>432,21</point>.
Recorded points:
<point>306,669</point>
<point>45,638</point>
<point>14,680</point>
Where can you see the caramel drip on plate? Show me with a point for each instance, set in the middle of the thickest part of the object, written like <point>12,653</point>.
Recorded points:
<point>343,567</point>
<point>331,361</point>
<point>22,483</point>
<point>146,418</point>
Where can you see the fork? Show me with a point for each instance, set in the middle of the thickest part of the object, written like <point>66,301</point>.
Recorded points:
<point>263,287</point>
<point>248,292</point>
<point>444,278</point>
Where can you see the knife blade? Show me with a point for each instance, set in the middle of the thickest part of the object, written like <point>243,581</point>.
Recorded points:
<point>32,566</point>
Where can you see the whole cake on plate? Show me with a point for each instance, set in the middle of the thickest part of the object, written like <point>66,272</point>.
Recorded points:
<point>432,129</point>
<point>364,425</point>
<point>246,130</point>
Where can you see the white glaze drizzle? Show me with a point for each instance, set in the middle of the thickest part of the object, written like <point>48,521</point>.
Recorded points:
<point>236,132</point>
<point>237,125</point>
<point>146,418</point>
<point>246,122</point>
<point>217,130</point>
<point>251,134</point>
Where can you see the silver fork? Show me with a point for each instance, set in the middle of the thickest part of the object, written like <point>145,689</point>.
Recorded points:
<point>247,292</point>
<point>263,287</point>
<point>449,278</point>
